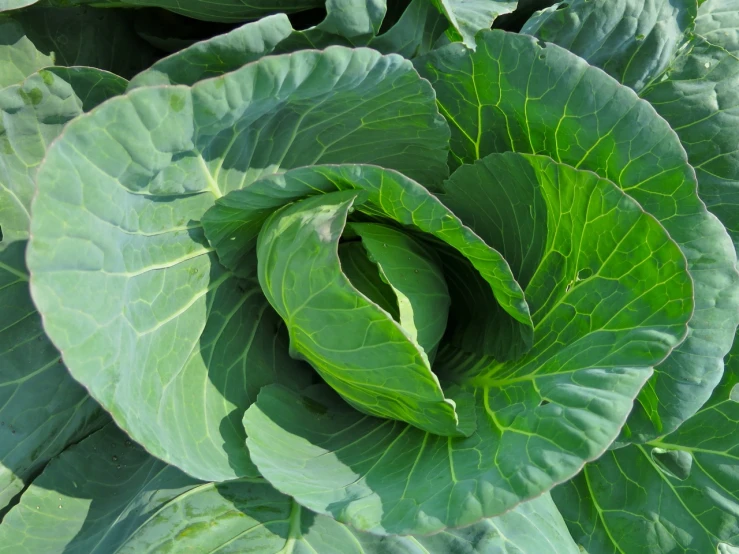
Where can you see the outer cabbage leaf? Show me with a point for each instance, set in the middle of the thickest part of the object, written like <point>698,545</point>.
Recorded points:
<point>514,93</point>
<point>415,32</point>
<point>107,495</point>
<point>218,55</point>
<point>18,56</point>
<point>718,22</point>
<point>353,18</point>
<point>172,344</point>
<point>699,98</point>
<point>676,494</point>
<point>42,409</point>
<point>418,27</point>
<point>32,114</point>
<point>631,40</point>
<point>611,296</point>
<point>86,36</point>
<point>467,17</point>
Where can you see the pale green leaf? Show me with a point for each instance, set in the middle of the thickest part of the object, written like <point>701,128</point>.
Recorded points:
<point>7,5</point>
<point>610,298</point>
<point>18,55</point>
<point>164,337</point>
<point>718,22</point>
<point>32,114</point>
<point>467,17</point>
<point>42,409</point>
<point>370,359</point>
<point>365,277</point>
<point>218,55</point>
<point>416,278</point>
<point>514,93</point>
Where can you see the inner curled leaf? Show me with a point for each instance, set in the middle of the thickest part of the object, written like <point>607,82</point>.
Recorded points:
<point>378,363</point>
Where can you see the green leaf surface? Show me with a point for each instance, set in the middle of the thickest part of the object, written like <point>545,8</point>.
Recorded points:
<point>364,275</point>
<point>699,98</point>
<point>415,32</point>
<point>718,22</point>
<point>107,495</point>
<point>374,362</point>
<point>353,18</point>
<point>32,114</point>
<point>677,494</point>
<point>416,278</point>
<point>18,55</point>
<point>418,27</point>
<point>613,297</point>
<point>85,36</point>
<point>233,225</point>
<point>631,40</point>
<point>118,257</point>
<point>42,409</point>
<point>467,17</point>
<point>218,55</point>
<point>514,93</point>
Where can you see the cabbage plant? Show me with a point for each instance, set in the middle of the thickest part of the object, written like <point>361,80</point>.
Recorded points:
<point>358,277</point>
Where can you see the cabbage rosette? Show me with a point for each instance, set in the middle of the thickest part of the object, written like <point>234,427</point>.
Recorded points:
<point>271,274</point>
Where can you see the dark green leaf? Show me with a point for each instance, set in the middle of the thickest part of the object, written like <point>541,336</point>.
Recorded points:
<point>631,40</point>
<point>699,98</point>
<point>226,11</point>
<point>415,32</point>
<point>104,39</point>
<point>107,495</point>
<point>611,297</point>
<point>514,93</point>
<point>677,494</point>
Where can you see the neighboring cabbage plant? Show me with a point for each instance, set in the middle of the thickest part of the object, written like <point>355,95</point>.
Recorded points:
<point>357,289</point>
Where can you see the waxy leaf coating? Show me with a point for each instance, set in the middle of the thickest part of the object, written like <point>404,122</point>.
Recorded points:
<point>42,409</point>
<point>173,344</point>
